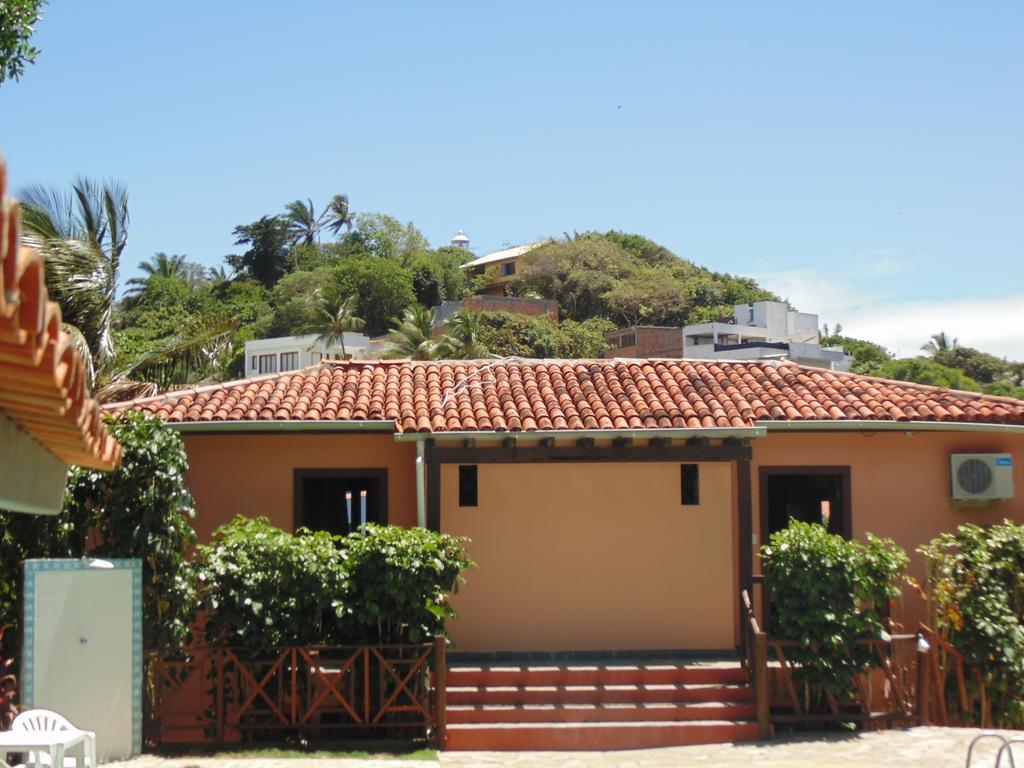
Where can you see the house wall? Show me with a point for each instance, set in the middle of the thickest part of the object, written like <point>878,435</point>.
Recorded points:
<point>594,556</point>
<point>899,484</point>
<point>252,475</point>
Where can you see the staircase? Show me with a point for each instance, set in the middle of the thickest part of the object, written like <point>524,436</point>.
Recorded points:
<point>597,706</point>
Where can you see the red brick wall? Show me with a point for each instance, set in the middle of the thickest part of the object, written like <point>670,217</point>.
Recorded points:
<point>513,304</point>
<point>650,342</point>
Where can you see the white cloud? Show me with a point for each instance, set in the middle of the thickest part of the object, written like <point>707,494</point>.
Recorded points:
<point>866,311</point>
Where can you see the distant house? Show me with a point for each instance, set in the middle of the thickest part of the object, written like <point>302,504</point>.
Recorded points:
<point>502,264</point>
<point>758,331</point>
<point>289,353</point>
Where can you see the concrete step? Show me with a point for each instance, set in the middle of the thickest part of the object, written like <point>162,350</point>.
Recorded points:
<point>596,674</point>
<point>597,694</point>
<point>596,736</point>
<point>592,713</point>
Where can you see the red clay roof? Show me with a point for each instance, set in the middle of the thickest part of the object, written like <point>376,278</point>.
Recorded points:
<point>43,383</point>
<point>450,396</point>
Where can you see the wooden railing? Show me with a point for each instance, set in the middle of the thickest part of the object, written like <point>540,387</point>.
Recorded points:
<point>895,690</point>
<point>219,695</point>
<point>947,668</point>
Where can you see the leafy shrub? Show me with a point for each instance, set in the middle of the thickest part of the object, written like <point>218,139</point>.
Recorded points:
<point>262,587</point>
<point>825,592</point>
<point>399,581</point>
<point>976,583</point>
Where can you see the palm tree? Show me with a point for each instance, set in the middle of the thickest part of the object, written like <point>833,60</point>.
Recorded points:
<point>338,215</point>
<point>82,234</point>
<point>335,318</point>
<point>462,337</point>
<point>304,225</point>
<point>413,335</point>
<point>161,265</point>
<point>938,343</point>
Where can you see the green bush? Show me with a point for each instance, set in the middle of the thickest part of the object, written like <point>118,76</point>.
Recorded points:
<point>976,583</point>
<point>399,582</point>
<point>262,587</point>
<point>825,592</point>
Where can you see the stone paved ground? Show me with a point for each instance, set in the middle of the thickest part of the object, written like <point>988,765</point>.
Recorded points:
<point>925,747</point>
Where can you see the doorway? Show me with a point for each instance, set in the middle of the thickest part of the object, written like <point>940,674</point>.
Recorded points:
<point>322,499</point>
<point>809,494</point>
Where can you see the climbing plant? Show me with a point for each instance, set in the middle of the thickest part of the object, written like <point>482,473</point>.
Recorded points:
<point>826,592</point>
<point>976,588</point>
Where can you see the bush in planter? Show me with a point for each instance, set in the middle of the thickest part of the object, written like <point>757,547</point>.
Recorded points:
<point>976,585</point>
<point>399,582</point>
<point>263,588</point>
<point>825,593</point>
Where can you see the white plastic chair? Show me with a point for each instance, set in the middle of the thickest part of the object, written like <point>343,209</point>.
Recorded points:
<point>47,721</point>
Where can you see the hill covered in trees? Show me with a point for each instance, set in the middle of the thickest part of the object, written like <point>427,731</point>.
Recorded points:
<point>310,270</point>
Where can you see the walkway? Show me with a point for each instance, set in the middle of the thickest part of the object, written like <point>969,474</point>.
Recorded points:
<point>924,747</point>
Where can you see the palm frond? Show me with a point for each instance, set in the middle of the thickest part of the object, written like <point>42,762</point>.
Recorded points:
<point>185,358</point>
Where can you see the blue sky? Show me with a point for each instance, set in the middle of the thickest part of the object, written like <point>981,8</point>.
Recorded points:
<point>864,159</point>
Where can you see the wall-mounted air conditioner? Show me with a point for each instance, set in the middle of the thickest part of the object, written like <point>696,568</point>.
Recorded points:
<point>981,476</point>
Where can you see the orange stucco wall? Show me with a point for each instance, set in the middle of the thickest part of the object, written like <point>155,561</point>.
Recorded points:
<point>899,485</point>
<point>252,475</point>
<point>594,556</point>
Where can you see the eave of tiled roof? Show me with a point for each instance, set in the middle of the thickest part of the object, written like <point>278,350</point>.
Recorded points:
<point>574,395</point>
<point>43,381</point>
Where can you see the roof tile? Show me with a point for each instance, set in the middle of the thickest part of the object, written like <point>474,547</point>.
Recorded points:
<point>527,395</point>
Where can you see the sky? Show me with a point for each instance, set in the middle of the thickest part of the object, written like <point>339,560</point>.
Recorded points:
<point>864,160</point>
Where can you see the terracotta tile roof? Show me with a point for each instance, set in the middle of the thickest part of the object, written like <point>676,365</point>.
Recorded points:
<point>43,382</point>
<point>447,396</point>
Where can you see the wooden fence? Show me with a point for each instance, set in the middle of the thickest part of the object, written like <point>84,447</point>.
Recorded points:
<point>220,695</point>
<point>896,690</point>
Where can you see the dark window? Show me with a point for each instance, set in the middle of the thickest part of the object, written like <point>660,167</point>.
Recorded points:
<point>689,478</point>
<point>289,361</point>
<point>821,497</point>
<point>467,485</point>
<point>322,498</point>
<point>627,340</point>
<point>268,363</point>
<point>508,269</point>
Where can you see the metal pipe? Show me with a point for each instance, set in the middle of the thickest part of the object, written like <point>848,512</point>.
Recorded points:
<point>421,496</point>
<point>539,434</point>
<point>283,426</point>
<point>867,425</point>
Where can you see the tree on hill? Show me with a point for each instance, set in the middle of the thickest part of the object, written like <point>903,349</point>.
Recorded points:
<point>923,370</point>
<point>412,335</point>
<point>336,317</point>
<point>304,226</point>
<point>939,342</point>
<point>867,355</point>
<point>462,339</point>
<point>266,259</point>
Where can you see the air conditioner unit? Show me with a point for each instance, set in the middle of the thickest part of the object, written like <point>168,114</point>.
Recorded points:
<point>981,476</point>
